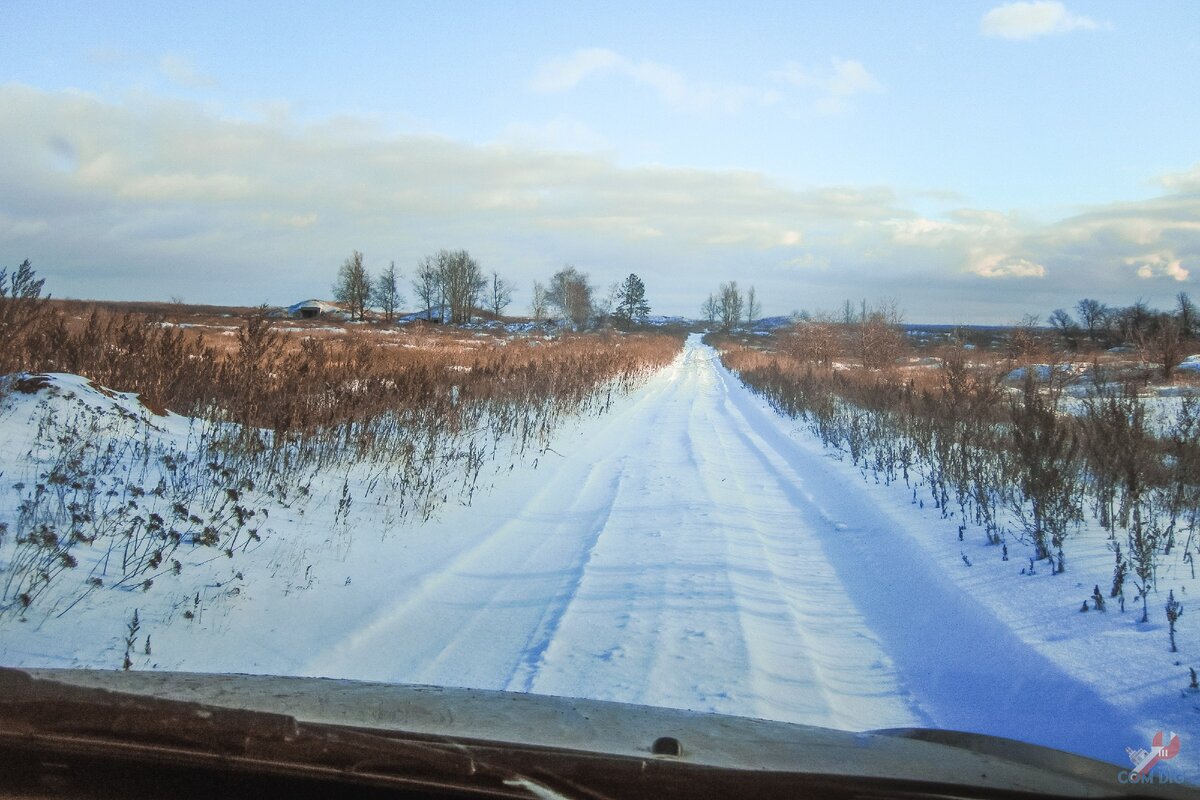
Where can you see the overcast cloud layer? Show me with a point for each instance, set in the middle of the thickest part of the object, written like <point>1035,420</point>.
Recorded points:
<point>149,194</point>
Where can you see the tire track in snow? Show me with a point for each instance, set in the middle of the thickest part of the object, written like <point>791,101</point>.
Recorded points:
<point>537,541</point>
<point>701,653</point>
<point>633,572</point>
<point>851,671</point>
<point>811,658</point>
<point>700,616</point>
<point>612,632</point>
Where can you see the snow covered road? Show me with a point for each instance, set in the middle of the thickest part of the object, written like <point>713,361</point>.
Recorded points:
<point>658,561</point>
<point>688,550</point>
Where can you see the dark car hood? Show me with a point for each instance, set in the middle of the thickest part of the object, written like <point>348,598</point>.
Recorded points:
<point>624,730</point>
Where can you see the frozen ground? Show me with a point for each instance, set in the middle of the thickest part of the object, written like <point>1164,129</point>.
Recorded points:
<point>690,548</point>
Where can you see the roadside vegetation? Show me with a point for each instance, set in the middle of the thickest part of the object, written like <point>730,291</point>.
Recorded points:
<point>241,418</point>
<point>1029,437</point>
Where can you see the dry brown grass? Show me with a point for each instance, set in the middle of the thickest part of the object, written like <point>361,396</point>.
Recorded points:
<point>298,376</point>
<point>1003,456</point>
<point>414,414</point>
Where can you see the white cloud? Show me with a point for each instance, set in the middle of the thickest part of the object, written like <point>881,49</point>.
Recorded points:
<point>833,86</point>
<point>187,186</point>
<point>844,79</point>
<point>1002,265</point>
<point>255,210</point>
<point>1027,20</point>
<point>560,74</point>
<point>1188,181</point>
<point>759,234</point>
<point>672,86</point>
<point>193,190</point>
<point>923,232</point>
<point>851,77</point>
<point>1159,265</point>
<point>180,70</point>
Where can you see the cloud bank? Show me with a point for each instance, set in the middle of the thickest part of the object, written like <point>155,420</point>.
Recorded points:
<point>167,198</point>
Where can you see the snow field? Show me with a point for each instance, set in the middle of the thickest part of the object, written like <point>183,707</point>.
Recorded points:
<point>690,548</point>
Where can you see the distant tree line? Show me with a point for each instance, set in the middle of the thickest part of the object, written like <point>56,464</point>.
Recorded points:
<point>570,295</point>
<point>450,284</point>
<point>451,287</point>
<point>1162,337</point>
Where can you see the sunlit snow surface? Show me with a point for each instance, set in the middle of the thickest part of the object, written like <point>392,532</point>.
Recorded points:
<point>690,548</point>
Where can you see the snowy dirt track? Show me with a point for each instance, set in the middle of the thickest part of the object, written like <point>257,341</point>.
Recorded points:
<point>688,551</point>
<point>689,548</point>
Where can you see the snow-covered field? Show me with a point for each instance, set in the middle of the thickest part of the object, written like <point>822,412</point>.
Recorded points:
<point>689,548</point>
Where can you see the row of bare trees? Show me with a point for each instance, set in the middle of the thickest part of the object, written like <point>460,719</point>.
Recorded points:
<point>728,307</point>
<point>1162,337</point>
<point>450,282</point>
<point>873,335</point>
<point>570,295</point>
<point>451,286</point>
<point>358,290</point>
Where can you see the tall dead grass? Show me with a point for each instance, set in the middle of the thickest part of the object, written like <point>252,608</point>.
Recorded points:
<point>1009,461</point>
<point>273,411</point>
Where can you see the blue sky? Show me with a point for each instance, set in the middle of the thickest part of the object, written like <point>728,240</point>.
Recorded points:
<point>972,161</point>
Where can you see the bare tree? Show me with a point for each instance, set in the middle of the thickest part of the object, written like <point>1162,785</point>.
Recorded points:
<point>1025,344</point>
<point>385,294</point>
<point>499,294</point>
<point>1061,321</point>
<point>579,302</point>
<point>879,334</point>
<point>1134,321</point>
<point>710,309</point>
<point>462,283</point>
<point>1188,316</point>
<point>1093,315</point>
<point>540,304</point>
<point>753,307</point>
<point>1162,342</point>
<point>353,287</point>
<point>816,339</point>
<point>428,286</point>
<point>848,313</point>
<point>571,293</point>
<point>729,304</point>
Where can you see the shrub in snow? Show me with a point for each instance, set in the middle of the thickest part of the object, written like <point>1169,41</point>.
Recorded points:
<point>1046,452</point>
<point>1174,612</point>
<point>1118,585</point>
